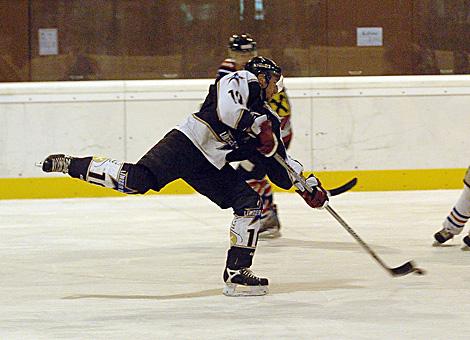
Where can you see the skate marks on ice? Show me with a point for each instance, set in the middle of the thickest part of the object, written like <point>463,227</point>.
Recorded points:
<point>274,289</point>
<point>198,294</point>
<point>446,245</point>
<point>324,245</point>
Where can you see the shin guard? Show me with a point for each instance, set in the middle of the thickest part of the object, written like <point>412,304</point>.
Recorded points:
<point>109,173</point>
<point>123,177</point>
<point>244,229</point>
<point>243,239</point>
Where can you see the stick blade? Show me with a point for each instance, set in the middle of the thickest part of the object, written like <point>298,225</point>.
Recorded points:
<point>405,269</point>
<point>343,188</point>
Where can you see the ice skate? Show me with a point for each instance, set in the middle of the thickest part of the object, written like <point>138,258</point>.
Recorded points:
<point>441,237</point>
<point>270,226</point>
<point>56,163</point>
<point>243,282</point>
<point>466,243</point>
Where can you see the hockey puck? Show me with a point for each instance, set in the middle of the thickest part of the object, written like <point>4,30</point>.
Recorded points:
<point>419,271</point>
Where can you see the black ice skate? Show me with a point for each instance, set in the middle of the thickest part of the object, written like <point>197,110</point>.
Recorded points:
<point>441,237</point>
<point>466,241</point>
<point>270,226</point>
<point>56,163</point>
<point>245,281</point>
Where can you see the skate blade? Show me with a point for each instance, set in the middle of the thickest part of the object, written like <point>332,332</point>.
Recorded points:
<point>232,289</point>
<point>465,248</point>
<point>437,244</point>
<point>267,235</point>
<point>443,245</point>
<point>38,164</point>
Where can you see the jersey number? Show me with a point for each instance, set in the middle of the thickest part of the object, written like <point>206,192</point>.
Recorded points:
<point>236,96</point>
<point>253,238</point>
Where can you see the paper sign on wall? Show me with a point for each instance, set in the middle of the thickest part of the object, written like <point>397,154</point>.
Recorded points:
<point>48,44</point>
<point>369,36</point>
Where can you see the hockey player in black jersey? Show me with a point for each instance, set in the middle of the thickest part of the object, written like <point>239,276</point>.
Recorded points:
<point>241,48</point>
<point>234,123</point>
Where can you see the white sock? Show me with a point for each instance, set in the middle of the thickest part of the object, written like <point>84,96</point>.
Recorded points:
<point>460,213</point>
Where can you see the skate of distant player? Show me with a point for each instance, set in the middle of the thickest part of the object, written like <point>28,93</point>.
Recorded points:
<point>233,124</point>
<point>457,218</point>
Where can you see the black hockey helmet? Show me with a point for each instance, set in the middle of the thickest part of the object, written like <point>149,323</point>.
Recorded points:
<point>242,43</point>
<point>268,67</point>
<point>258,65</point>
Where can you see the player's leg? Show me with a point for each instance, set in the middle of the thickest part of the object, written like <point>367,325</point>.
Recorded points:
<point>165,162</point>
<point>227,189</point>
<point>255,176</point>
<point>124,177</point>
<point>459,215</point>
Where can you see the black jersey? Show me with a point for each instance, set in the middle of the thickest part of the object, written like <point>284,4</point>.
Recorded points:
<point>223,123</point>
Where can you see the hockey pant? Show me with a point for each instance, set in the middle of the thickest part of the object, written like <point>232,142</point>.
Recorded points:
<point>250,172</point>
<point>460,213</point>
<point>175,156</point>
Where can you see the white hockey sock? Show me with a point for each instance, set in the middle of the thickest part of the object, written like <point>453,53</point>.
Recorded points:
<point>460,213</point>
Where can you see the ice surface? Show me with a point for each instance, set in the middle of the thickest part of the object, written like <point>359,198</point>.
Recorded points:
<point>151,268</point>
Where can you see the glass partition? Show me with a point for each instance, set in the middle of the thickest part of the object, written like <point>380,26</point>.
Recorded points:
<point>45,40</point>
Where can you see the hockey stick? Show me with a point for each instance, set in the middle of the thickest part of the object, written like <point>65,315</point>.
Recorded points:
<point>404,269</point>
<point>343,188</point>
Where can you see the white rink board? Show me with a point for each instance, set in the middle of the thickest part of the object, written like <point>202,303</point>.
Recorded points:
<point>364,123</point>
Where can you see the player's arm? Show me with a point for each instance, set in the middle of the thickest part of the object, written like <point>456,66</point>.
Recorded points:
<point>240,107</point>
<point>318,197</point>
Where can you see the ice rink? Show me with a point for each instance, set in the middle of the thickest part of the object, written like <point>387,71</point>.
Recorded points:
<point>150,267</point>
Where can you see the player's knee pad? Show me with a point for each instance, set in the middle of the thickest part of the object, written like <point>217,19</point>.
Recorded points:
<point>248,203</point>
<point>123,177</point>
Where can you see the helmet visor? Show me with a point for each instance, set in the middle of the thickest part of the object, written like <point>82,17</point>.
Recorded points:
<point>280,84</point>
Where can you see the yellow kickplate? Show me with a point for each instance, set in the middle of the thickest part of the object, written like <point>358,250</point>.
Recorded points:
<point>368,180</point>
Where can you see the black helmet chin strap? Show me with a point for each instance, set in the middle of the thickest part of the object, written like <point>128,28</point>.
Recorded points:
<point>263,94</point>
<point>267,78</point>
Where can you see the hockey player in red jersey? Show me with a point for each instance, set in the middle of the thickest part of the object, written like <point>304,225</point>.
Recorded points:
<point>241,49</point>
<point>457,218</point>
<point>233,124</point>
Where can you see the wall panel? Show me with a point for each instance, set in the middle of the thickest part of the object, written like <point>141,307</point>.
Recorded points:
<point>340,124</point>
<point>14,41</point>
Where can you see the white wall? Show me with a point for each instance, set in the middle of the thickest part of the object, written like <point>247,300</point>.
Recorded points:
<point>366,123</point>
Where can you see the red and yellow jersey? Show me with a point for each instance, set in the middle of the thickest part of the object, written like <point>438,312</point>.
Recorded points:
<point>228,66</point>
<point>280,104</point>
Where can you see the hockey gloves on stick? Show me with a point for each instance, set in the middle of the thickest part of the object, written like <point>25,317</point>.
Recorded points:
<point>266,140</point>
<point>318,198</point>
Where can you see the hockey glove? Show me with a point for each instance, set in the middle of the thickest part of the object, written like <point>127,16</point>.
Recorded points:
<point>318,198</point>
<point>297,167</point>
<point>267,141</point>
